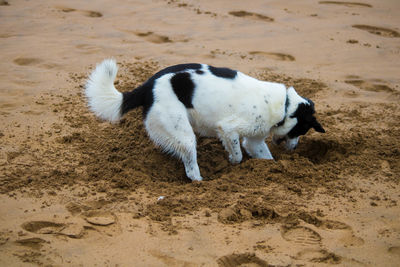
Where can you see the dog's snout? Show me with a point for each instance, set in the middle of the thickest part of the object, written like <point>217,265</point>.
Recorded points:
<point>291,148</point>
<point>291,144</point>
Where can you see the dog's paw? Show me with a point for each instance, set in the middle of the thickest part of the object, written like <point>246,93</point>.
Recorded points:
<point>197,179</point>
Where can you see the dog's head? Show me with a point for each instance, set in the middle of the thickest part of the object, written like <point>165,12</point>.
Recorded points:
<point>298,120</point>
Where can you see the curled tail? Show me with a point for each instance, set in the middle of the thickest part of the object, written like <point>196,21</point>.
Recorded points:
<point>103,98</point>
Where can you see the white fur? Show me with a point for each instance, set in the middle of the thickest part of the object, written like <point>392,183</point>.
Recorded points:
<point>103,99</point>
<point>229,109</point>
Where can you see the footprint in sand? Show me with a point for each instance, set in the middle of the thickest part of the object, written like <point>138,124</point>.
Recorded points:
<point>275,56</point>
<point>351,240</point>
<point>7,35</point>
<point>154,38</point>
<point>169,260</point>
<point>372,85</point>
<point>250,15</point>
<point>348,4</point>
<point>394,251</point>
<point>33,242</point>
<point>102,222</point>
<point>92,14</point>
<point>245,259</point>
<point>301,235</point>
<point>100,218</point>
<point>66,9</point>
<point>347,239</point>
<point>334,225</point>
<point>88,49</point>
<point>27,61</point>
<point>74,208</point>
<point>318,255</point>
<point>87,13</point>
<point>385,32</point>
<point>46,227</point>
<point>42,227</point>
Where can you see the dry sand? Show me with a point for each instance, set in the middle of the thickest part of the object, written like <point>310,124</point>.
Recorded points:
<point>76,191</point>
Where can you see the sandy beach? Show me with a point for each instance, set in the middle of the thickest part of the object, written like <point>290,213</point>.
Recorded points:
<point>78,191</point>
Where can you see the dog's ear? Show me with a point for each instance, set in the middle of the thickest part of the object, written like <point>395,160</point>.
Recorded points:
<point>317,126</point>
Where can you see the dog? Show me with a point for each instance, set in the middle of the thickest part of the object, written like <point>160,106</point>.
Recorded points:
<point>185,99</point>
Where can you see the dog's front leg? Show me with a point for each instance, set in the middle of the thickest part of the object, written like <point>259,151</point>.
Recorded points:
<point>191,167</point>
<point>231,142</point>
<point>256,147</point>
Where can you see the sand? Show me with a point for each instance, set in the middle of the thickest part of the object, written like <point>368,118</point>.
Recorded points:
<point>76,191</point>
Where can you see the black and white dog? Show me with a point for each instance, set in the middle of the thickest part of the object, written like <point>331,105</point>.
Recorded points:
<point>183,99</point>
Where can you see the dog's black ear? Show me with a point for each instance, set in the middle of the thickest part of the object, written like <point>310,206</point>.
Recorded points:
<point>317,126</point>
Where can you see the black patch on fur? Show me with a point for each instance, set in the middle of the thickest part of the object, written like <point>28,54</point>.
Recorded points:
<point>135,98</point>
<point>183,87</point>
<point>199,72</point>
<point>286,108</point>
<point>143,95</point>
<point>223,72</point>
<point>305,119</point>
<point>281,122</point>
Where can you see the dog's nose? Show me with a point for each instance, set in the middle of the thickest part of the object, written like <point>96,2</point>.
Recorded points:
<point>291,147</point>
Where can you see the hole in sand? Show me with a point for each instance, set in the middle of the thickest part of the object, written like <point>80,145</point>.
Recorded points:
<point>319,151</point>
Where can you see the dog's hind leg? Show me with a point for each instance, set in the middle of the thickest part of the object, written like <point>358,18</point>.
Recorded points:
<point>256,147</point>
<point>231,142</point>
<point>170,129</point>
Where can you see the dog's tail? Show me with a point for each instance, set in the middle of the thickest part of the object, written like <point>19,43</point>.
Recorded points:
<point>103,98</point>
